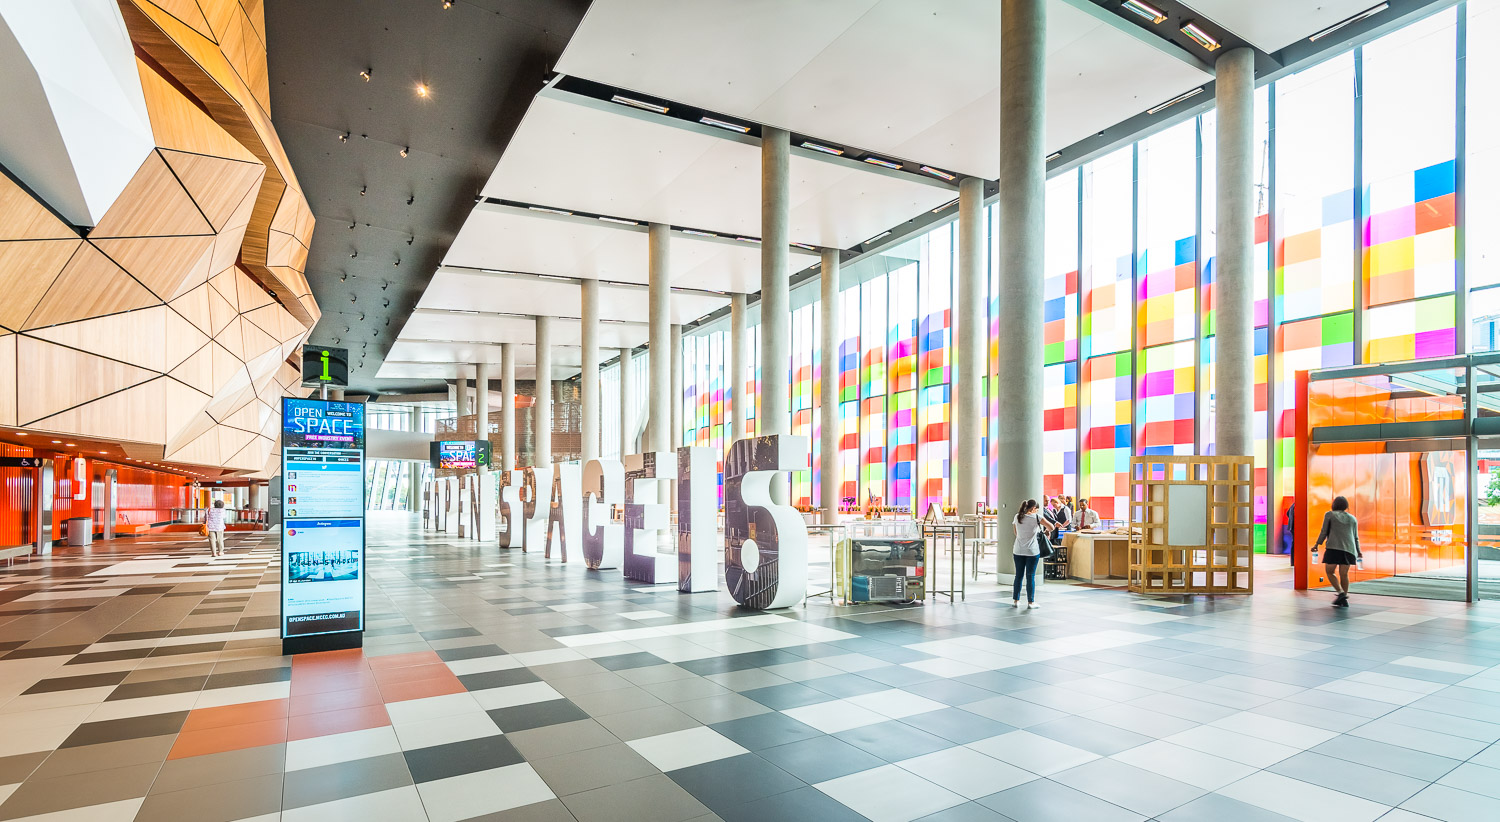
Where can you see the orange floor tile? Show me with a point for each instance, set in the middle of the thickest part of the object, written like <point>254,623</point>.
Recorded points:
<point>421,689</point>
<point>414,673</point>
<point>242,714</point>
<point>334,700</point>
<point>378,663</point>
<point>230,738</point>
<point>325,723</point>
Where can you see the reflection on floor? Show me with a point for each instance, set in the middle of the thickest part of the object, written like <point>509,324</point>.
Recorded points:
<point>1439,583</point>
<point>144,681</point>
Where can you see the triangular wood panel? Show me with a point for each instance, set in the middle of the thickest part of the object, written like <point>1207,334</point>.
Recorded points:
<point>136,337</point>
<point>223,282</point>
<point>197,371</point>
<point>186,419</point>
<point>229,373</point>
<point>231,440</point>
<point>27,270</point>
<point>58,378</point>
<point>193,306</point>
<point>227,246</point>
<point>218,13</point>
<point>167,265</point>
<point>231,400</point>
<point>233,338</point>
<point>153,204</point>
<point>178,124</point>
<point>257,342</point>
<point>252,296</point>
<point>23,218</point>
<point>204,450</point>
<point>90,285</point>
<point>136,414</point>
<point>188,13</point>
<point>220,311</point>
<point>250,418</point>
<point>183,339</point>
<point>253,455</point>
<point>216,185</point>
<point>8,379</point>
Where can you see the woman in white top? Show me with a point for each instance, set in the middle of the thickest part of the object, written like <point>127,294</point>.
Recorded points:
<point>1026,553</point>
<point>213,523</point>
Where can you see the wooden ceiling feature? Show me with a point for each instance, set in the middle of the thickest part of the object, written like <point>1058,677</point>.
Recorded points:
<point>90,285</point>
<point>217,185</point>
<point>153,204</point>
<point>23,218</point>
<point>27,269</point>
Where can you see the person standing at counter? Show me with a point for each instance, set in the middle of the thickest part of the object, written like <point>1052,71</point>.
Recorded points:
<point>1341,531</point>
<point>1026,551</point>
<point>1088,518</point>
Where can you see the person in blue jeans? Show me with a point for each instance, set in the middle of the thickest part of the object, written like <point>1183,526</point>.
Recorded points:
<point>1028,523</point>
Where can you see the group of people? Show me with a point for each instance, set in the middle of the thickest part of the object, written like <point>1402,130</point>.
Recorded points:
<point>1037,527</point>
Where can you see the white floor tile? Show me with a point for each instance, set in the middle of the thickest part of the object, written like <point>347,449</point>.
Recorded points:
<point>1034,753</point>
<point>895,704</point>
<point>513,695</point>
<point>432,707</point>
<point>834,717</point>
<point>483,664</point>
<point>1186,765</point>
<point>1237,747</point>
<point>1292,734</point>
<point>427,733</point>
<point>683,749</point>
<point>967,772</point>
<point>1302,800</point>
<point>218,697</point>
<point>397,805</point>
<point>889,794</point>
<point>483,792</point>
<point>345,747</point>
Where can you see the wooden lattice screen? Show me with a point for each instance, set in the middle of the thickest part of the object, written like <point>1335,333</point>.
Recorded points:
<point>1216,556</point>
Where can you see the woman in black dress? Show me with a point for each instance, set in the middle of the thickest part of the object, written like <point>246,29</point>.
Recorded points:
<point>1341,532</point>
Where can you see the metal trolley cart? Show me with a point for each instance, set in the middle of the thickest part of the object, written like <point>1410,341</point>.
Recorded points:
<point>881,561</point>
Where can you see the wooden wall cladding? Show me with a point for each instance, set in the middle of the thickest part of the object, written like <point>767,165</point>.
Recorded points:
<point>170,325</point>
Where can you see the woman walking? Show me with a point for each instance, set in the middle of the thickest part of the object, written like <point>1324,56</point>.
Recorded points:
<point>1027,552</point>
<point>1341,531</point>
<point>213,523</point>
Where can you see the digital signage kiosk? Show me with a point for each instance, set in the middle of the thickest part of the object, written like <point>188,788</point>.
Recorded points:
<point>323,525</point>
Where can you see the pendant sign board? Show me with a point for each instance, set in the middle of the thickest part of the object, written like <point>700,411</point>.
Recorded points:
<point>322,365</point>
<point>323,532</point>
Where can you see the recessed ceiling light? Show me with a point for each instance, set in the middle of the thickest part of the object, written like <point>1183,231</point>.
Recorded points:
<point>696,233</point>
<point>878,236</point>
<point>1145,10</point>
<point>951,202</point>
<point>422,90</point>
<point>747,239</point>
<point>714,121</point>
<point>1199,36</point>
<point>640,104</point>
<point>618,220</point>
<point>405,151</point>
<point>885,163</point>
<point>806,246</point>
<point>57,442</point>
<point>364,74</point>
<point>551,210</point>
<point>20,433</point>
<point>837,152</point>
<point>1053,156</point>
<point>72,445</point>
<point>1175,100</point>
<point>1355,19</point>
<point>943,175</point>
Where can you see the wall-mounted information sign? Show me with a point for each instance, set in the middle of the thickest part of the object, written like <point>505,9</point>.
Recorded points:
<point>323,524</point>
<point>461,454</point>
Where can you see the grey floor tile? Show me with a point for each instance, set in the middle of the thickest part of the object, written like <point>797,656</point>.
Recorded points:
<point>115,730</point>
<point>1089,735</point>
<point>894,741</point>
<point>1393,758</point>
<point>1352,778</point>
<point>555,740</point>
<point>619,700</point>
<point>314,786</point>
<point>958,725</point>
<point>85,758</point>
<point>222,802</point>
<point>42,796</point>
<point>551,811</point>
<point>1215,807</point>
<point>800,805</point>
<point>650,799</point>
<point>592,768</point>
<point>212,769</point>
<point>765,731</point>
<point>728,783</point>
<point>967,812</point>
<point>459,758</point>
<point>820,759</point>
<point>1129,787</point>
<point>1453,805</point>
<point>661,719</point>
<point>1043,800</point>
<point>536,715</point>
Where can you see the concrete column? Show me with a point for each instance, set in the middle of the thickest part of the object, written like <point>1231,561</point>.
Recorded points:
<point>482,402</point>
<point>507,406</point>
<point>1023,175</point>
<point>828,392</point>
<point>969,349</point>
<point>659,346</point>
<point>677,386</point>
<point>541,412</point>
<point>336,394</point>
<point>589,381</point>
<point>462,404</point>
<point>775,314</point>
<point>739,404</point>
<point>255,499</point>
<point>1234,288</point>
<point>627,413</point>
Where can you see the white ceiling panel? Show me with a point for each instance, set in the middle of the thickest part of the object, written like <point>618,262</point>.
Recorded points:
<point>488,328</point>
<point>913,78</point>
<point>459,354</point>
<point>1271,25</point>
<point>504,294</point>
<point>679,177</point>
<point>402,370</point>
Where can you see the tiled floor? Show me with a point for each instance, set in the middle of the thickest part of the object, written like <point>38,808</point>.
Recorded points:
<point>144,681</point>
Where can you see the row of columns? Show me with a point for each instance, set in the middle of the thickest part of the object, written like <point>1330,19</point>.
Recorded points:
<point>1017,443</point>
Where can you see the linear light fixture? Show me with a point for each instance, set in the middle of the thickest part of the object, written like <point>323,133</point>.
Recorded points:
<point>883,163</point>
<point>806,246</point>
<point>1199,36</point>
<point>1053,156</point>
<point>696,233</point>
<point>942,175</point>
<point>1369,12</point>
<point>1145,10</point>
<point>747,239</point>
<point>714,121</point>
<point>837,152</point>
<point>948,204</point>
<point>640,104</point>
<point>618,220</point>
<point>551,210</point>
<point>1175,100</point>
<point>877,236</point>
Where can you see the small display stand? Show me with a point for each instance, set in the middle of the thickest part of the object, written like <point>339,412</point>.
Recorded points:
<point>1192,525</point>
<point>881,561</point>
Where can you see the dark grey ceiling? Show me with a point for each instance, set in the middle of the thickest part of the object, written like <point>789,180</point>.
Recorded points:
<point>482,60</point>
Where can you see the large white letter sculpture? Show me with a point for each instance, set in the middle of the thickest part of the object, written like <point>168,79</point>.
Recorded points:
<point>765,543</point>
<point>486,508</point>
<point>450,505</point>
<point>697,504</point>
<point>646,517</point>
<point>513,510</point>
<point>566,515</point>
<point>539,506</point>
<point>603,539</point>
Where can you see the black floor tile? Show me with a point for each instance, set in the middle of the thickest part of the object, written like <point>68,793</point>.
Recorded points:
<point>469,652</point>
<point>498,679</point>
<point>784,697</point>
<point>136,727</point>
<point>958,725</point>
<point>820,759</point>
<point>800,805</point>
<point>72,683</point>
<point>537,715</point>
<point>728,783</point>
<point>893,741</point>
<point>846,685</point>
<point>159,687</point>
<point>766,730</point>
<point>621,662</point>
<point>458,758</point>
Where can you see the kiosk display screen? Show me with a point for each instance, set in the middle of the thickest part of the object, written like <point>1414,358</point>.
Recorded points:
<point>323,526</point>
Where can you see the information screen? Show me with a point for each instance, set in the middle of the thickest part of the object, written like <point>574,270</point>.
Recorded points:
<point>323,526</point>
<point>461,454</point>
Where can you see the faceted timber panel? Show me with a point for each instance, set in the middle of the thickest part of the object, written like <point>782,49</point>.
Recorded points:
<point>166,265</point>
<point>58,378</point>
<point>90,285</point>
<point>27,270</point>
<point>8,379</point>
<point>153,204</point>
<point>136,337</point>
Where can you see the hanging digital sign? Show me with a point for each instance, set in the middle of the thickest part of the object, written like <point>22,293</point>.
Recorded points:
<point>323,526</point>
<point>461,454</point>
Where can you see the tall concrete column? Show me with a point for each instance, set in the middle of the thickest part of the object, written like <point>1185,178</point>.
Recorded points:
<point>1023,177</point>
<point>507,406</point>
<point>775,314</point>
<point>627,402</point>
<point>482,403</point>
<point>969,344</point>
<point>589,381</point>
<point>255,497</point>
<point>677,385</point>
<point>541,411</point>
<point>659,345</point>
<point>1234,289</point>
<point>336,394</point>
<point>739,404</point>
<point>463,405</point>
<point>414,483</point>
<point>828,389</point>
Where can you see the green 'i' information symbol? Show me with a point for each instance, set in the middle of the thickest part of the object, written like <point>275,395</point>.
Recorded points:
<point>326,377</point>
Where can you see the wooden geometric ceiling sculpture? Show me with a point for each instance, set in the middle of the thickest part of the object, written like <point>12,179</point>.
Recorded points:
<point>173,321</point>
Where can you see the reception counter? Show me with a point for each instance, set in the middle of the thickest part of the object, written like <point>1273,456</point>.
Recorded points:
<point>1098,557</point>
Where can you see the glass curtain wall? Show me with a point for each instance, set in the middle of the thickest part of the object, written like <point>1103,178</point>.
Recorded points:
<point>1360,257</point>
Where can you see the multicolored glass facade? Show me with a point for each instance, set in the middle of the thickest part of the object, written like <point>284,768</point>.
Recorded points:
<point>1360,256</point>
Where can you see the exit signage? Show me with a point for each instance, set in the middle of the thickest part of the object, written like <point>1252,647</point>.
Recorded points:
<point>322,365</point>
